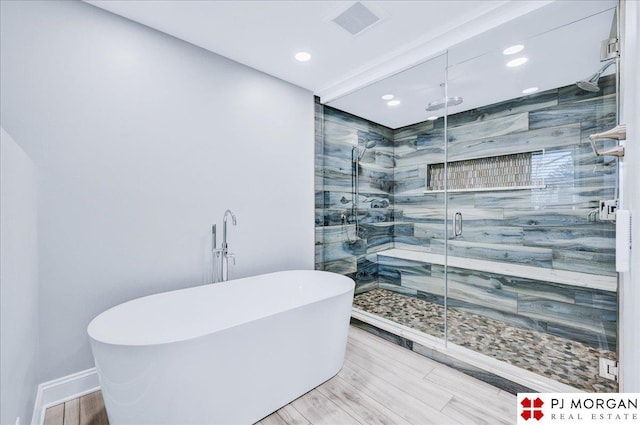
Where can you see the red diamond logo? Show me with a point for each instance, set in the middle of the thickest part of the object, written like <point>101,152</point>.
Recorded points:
<point>532,409</point>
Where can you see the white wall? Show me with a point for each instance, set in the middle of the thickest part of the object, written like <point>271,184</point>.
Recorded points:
<point>18,282</point>
<point>142,141</point>
<point>630,174</point>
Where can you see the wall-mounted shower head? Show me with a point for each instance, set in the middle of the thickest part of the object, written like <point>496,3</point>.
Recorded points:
<point>591,83</point>
<point>439,104</point>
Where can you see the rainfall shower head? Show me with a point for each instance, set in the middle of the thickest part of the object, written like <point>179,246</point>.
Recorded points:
<point>591,83</point>
<point>439,104</point>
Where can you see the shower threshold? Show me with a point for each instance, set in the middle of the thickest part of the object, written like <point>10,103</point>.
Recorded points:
<point>493,365</point>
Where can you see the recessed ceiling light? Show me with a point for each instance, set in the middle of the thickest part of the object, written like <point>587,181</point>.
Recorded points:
<point>530,90</point>
<point>387,97</point>
<point>303,56</point>
<point>512,50</point>
<point>395,102</point>
<point>517,62</point>
<point>433,118</point>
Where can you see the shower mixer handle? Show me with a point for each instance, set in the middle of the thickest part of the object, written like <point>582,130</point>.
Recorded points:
<point>617,133</point>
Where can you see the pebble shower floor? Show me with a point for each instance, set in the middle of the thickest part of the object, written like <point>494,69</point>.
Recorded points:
<point>564,360</point>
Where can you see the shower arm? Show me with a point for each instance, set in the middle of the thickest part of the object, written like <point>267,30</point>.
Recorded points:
<point>617,151</point>
<point>598,74</point>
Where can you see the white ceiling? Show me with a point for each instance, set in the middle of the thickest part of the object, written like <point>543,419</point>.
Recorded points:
<point>559,55</point>
<point>352,72</point>
<point>265,34</point>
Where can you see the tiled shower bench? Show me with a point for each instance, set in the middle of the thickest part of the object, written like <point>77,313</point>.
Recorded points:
<point>507,305</point>
<point>582,280</point>
<point>574,305</point>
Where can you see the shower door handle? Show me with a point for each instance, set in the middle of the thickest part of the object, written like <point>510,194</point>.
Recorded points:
<point>457,224</point>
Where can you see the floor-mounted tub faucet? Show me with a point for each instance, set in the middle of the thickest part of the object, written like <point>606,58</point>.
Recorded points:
<point>221,255</point>
<point>224,227</point>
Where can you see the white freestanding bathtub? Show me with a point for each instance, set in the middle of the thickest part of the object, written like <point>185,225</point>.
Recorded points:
<point>226,353</point>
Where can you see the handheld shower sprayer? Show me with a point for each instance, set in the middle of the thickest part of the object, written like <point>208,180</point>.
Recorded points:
<point>367,145</point>
<point>356,156</point>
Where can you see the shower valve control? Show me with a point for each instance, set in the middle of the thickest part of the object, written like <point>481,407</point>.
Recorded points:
<point>608,210</point>
<point>608,369</point>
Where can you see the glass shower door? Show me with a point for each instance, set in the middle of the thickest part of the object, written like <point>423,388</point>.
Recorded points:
<point>411,272</point>
<point>530,261</point>
<point>376,217</point>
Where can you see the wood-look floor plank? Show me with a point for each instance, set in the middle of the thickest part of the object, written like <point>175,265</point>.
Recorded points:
<point>409,364</point>
<point>399,364</point>
<point>72,412</point>
<point>54,415</point>
<point>413,385</point>
<point>467,389</point>
<point>362,407</point>
<point>508,397</point>
<point>92,411</point>
<point>509,401</point>
<point>473,392</point>
<point>322,411</point>
<point>273,419</point>
<point>404,404</point>
<point>462,412</point>
<point>382,347</point>
<point>291,416</point>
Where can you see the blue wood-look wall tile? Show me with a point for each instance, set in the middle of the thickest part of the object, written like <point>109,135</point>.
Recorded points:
<point>547,227</point>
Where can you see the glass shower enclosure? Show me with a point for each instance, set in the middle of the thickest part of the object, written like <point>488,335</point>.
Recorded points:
<point>469,214</point>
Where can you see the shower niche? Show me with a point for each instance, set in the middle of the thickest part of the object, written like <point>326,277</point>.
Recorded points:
<point>503,172</point>
<point>470,229</point>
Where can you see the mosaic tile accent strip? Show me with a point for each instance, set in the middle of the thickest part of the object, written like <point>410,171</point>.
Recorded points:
<point>561,359</point>
<point>482,173</point>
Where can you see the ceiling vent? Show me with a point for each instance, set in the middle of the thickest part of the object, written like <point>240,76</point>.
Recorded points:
<point>356,19</point>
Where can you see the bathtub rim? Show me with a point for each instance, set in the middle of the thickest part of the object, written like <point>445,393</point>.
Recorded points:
<point>349,288</point>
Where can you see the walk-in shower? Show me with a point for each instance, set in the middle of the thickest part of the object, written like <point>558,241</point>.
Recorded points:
<point>488,252</point>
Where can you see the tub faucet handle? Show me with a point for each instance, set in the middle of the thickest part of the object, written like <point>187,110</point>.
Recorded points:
<point>232,256</point>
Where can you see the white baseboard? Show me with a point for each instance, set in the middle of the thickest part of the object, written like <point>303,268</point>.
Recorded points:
<point>63,389</point>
